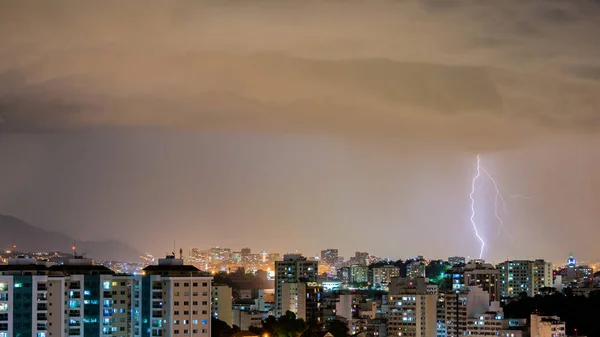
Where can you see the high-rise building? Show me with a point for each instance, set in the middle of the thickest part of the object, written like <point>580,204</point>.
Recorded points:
<point>479,273</point>
<point>383,275</point>
<point>294,268</point>
<point>412,308</point>
<point>236,257</point>
<point>360,258</point>
<point>221,303</point>
<point>571,261</point>
<point>574,272</point>
<point>246,255</point>
<point>524,276</point>
<point>76,298</point>
<point>23,299</point>
<point>359,273</point>
<point>461,305</point>
<point>172,299</point>
<point>219,255</point>
<point>329,256</point>
<point>303,299</point>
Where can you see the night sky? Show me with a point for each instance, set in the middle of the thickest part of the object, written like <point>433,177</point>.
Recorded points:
<point>304,125</point>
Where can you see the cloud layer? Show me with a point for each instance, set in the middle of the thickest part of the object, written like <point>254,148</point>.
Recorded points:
<point>120,119</point>
<point>446,69</point>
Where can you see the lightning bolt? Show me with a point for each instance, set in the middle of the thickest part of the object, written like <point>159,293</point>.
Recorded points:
<point>471,195</point>
<point>498,199</point>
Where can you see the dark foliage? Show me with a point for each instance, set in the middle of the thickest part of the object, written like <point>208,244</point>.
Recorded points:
<point>578,312</point>
<point>220,328</point>
<point>337,328</point>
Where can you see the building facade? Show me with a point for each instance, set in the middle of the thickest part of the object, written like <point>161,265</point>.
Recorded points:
<point>293,269</point>
<point>383,275</point>
<point>524,276</point>
<point>171,299</point>
<point>221,303</point>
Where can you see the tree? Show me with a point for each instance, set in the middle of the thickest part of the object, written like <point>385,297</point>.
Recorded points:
<point>285,326</point>
<point>289,326</point>
<point>338,328</point>
<point>220,328</point>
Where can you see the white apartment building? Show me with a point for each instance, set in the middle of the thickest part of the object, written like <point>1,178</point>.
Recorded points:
<point>524,276</point>
<point>172,299</point>
<point>383,275</point>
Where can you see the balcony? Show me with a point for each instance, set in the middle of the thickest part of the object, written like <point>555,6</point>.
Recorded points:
<point>42,307</point>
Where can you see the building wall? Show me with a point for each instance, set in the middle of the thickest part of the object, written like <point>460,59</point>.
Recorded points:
<point>56,311</point>
<point>383,275</point>
<point>293,269</point>
<point>6,306</point>
<point>245,319</point>
<point>222,303</point>
<point>412,315</point>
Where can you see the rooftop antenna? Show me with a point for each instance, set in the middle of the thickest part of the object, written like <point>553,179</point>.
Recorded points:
<point>14,245</point>
<point>74,248</point>
<point>173,247</point>
<point>181,253</point>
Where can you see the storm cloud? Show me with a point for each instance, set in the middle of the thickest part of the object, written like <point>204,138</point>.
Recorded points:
<point>208,100</point>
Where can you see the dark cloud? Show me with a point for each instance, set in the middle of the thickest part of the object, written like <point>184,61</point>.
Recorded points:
<point>318,116</point>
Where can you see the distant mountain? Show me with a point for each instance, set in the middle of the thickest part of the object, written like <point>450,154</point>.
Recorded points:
<point>33,239</point>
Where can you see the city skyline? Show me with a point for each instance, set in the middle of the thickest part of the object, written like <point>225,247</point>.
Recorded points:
<point>295,125</point>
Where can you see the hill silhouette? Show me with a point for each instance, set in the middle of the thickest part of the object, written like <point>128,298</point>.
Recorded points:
<point>33,239</point>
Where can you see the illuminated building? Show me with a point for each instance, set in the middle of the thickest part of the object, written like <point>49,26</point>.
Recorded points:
<point>264,256</point>
<point>219,256</point>
<point>329,256</point>
<point>479,273</point>
<point>199,258</point>
<point>303,299</point>
<point>415,269</point>
<point>412,308</point>
<point>23,298</point>
<point>485,324</point>
<point>383,275</point>
<point>573,272</point>
<point>571,261</point>
<point>359,273</point>
<point>462,305</point>
<point>294,268</point>
<point>360,258</point>
<point>75,299</point>
<point>172,299</point>
<point>236,257</point>
<point>524,276</point>
<point>221,303</point>
<point>456,260</point>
